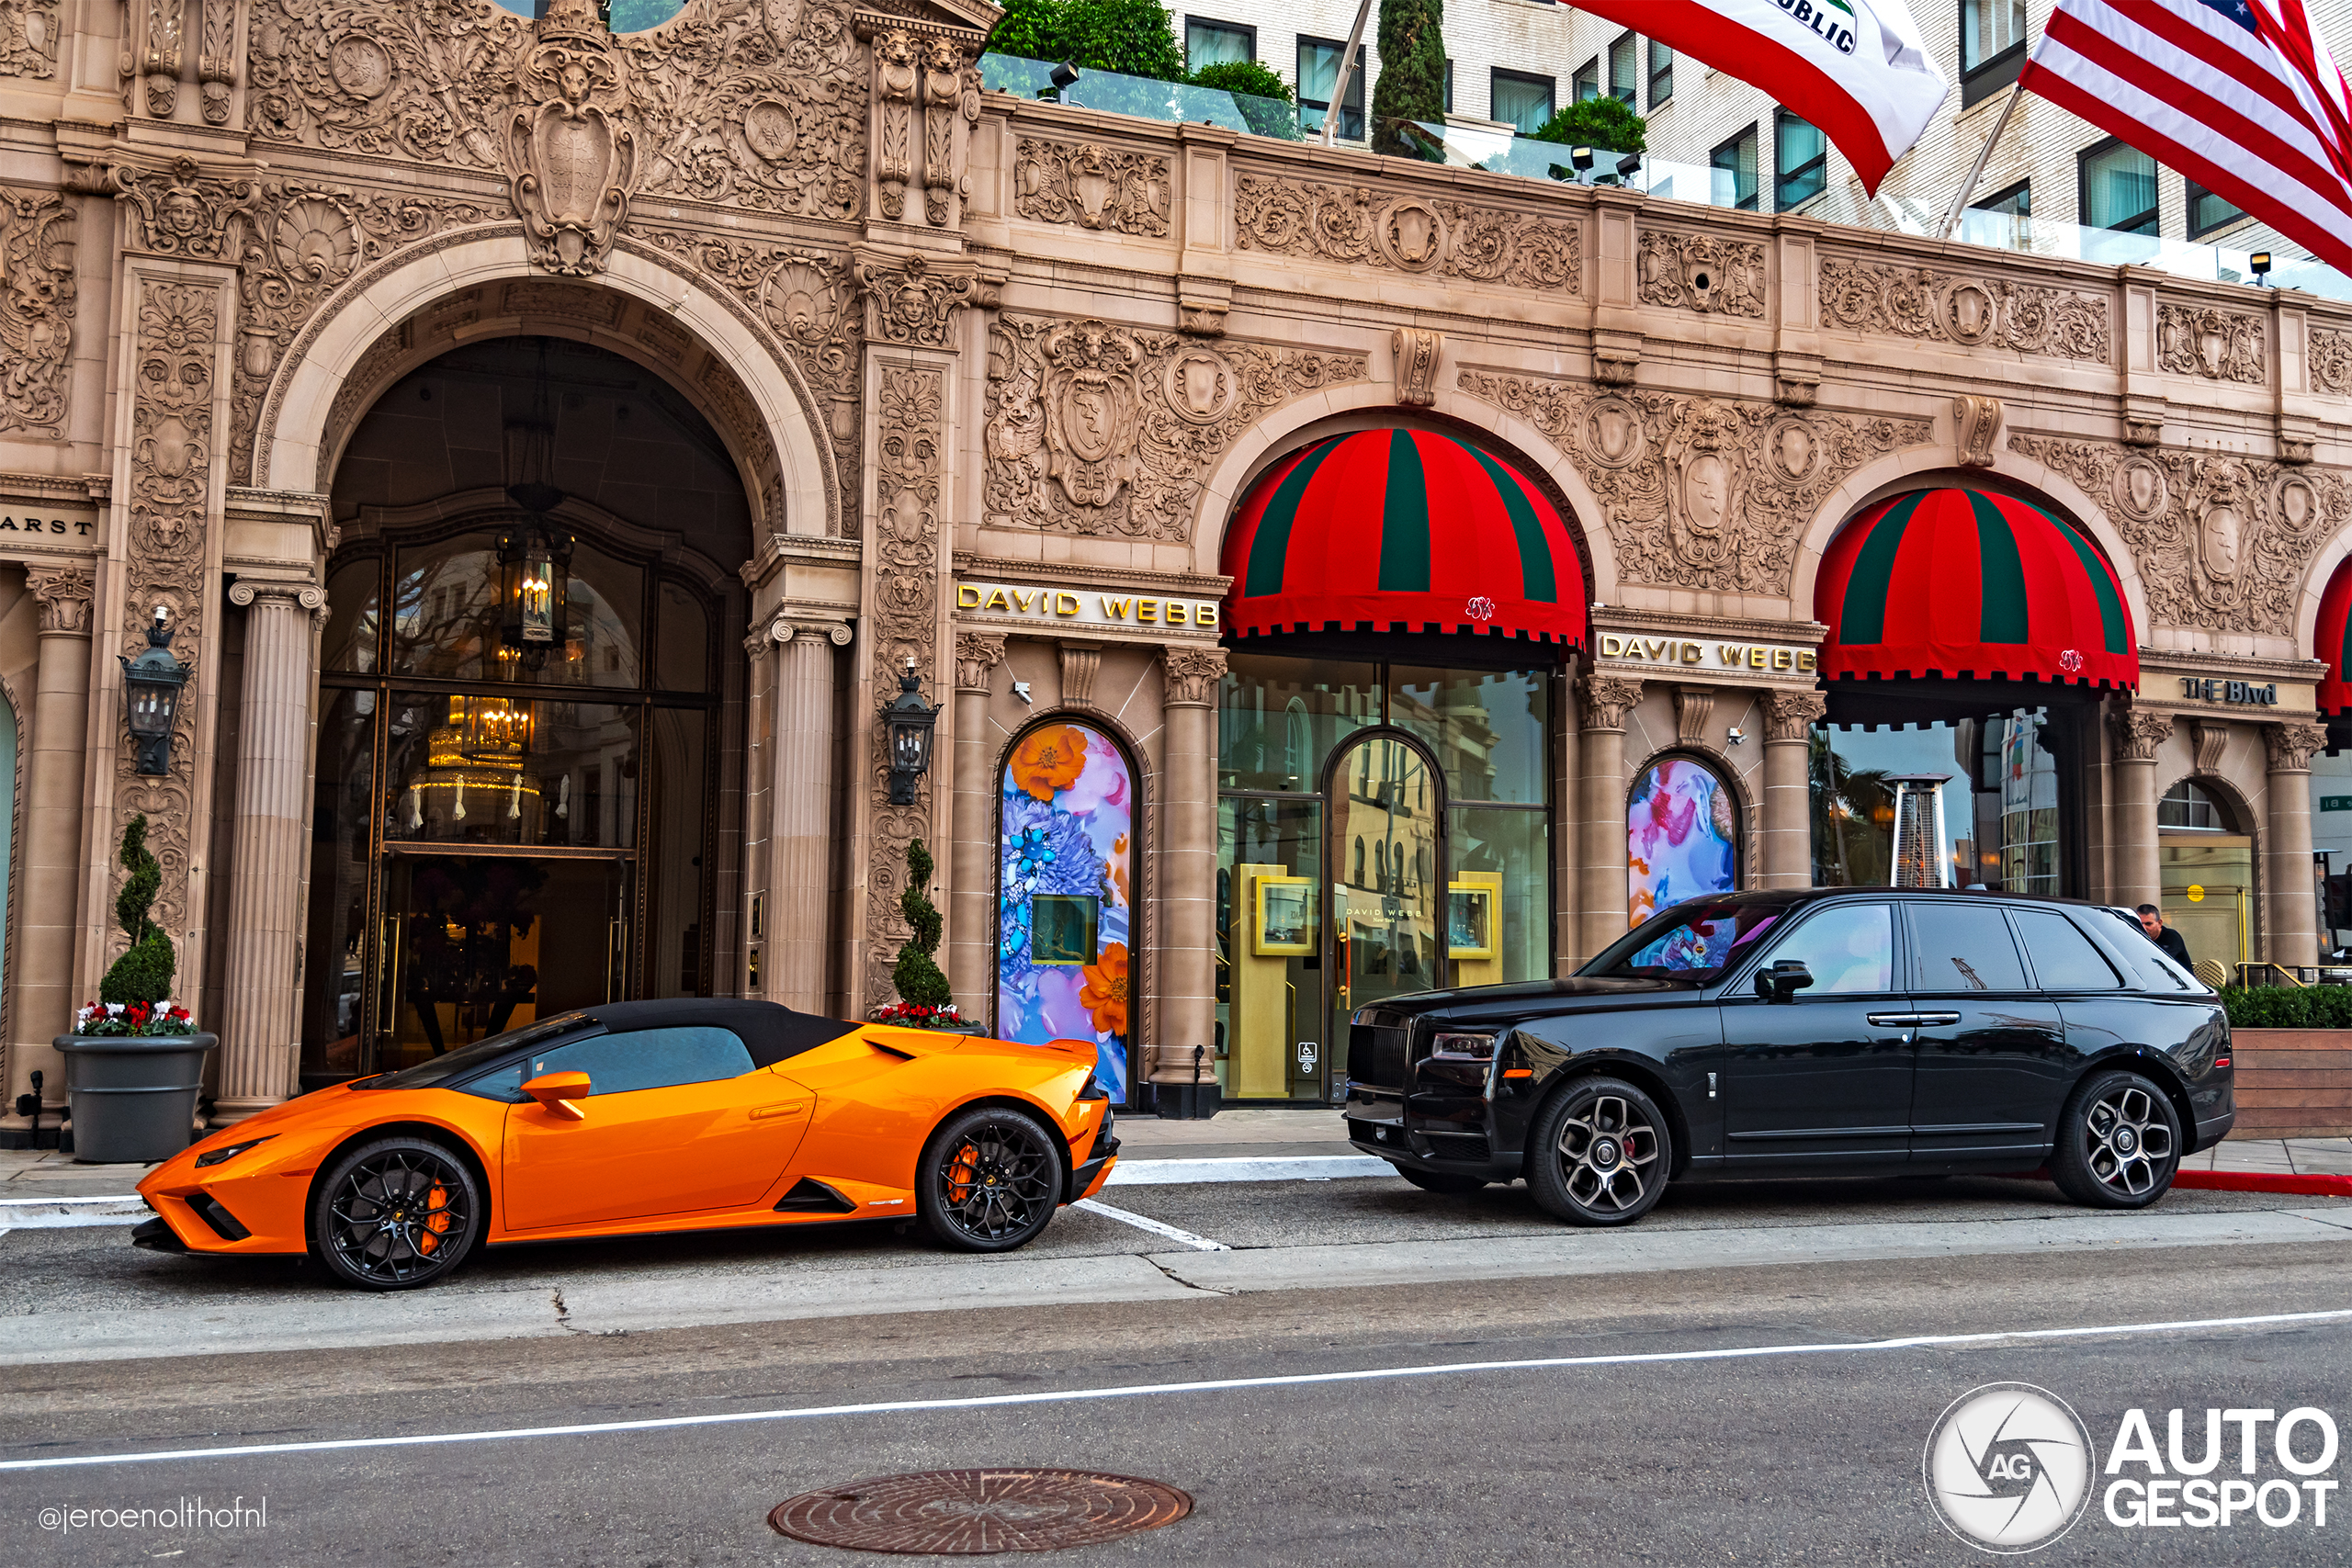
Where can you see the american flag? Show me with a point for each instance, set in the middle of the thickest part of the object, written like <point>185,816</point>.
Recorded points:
<point>2240,96</point>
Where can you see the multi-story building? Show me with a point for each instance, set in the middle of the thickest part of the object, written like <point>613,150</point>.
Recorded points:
<point>551,449</point>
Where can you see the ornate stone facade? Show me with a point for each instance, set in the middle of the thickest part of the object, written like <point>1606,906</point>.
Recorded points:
<point>1442,238</point>
<point>571,152</point>
<point>2329,362</point>
<point>64,594</point>
<point>2221,542</point>
<point>1790,715</point>
<point>1087,185</point>
<point>37,298</point>
<point>1701,272</point>
<point>1967,311</point>
<point>2216,346</point>
<point>1104,430</point>
<point>28,38</point>
<point>1699,490</point>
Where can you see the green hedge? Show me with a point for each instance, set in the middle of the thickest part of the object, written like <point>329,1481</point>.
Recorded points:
<point>2288,1007</point>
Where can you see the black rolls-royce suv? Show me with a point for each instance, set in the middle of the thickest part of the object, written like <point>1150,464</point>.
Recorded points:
<point>1848,1031</point>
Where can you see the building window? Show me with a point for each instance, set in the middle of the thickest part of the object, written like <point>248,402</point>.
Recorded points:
<point>1681,836</point>
<point>1217,43</point>
<point>1800,161</point>
<point>1733,172</point>
<point>1624,69</point>
<point>1449,87</point>
<point>2208,212</point>
<point>2185,807</point>
<point>1661,73</point>
<point>2118,188</point>
<point>2016,201</point>
<point>1588,82</point>
<point>1522,101</point>
<point>1318,71</point>
<point>1064,918</point>
<point>1992,47</point>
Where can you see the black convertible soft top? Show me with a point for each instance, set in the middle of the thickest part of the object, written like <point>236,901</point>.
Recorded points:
<point>773,1033</point>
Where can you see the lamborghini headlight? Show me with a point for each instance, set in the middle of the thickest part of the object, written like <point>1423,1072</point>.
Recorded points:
<point>222,1155</point>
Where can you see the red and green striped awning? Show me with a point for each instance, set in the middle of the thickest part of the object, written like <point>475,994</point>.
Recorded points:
<point>1968,585</point>
<point>1402,530</point>
<point>2333,642</point>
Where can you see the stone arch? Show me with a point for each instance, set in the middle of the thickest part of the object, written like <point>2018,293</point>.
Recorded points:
<point>1372,405</point>
<point>2232,800</point>
<point>421,302</point>
<point>1918,468</point>
<point>2315,580</point>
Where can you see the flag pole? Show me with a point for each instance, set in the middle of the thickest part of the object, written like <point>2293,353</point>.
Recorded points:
<point>1347,65</point>
<point>1968,187</point>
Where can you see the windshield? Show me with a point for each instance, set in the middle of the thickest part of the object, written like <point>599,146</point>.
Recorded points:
<point>1694,941</point>
<point>452,1065</point>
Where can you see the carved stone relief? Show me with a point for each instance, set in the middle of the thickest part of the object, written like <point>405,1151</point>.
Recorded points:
<point>1700,493</point>
<point>1701,272</point>
<point>2329,361</point>
<point>977,653</point>
<point>2288,747</point>
<point>569,150</point>
<point>1407,233</point>
<point>2221,542</point>
<point>2217,345</point>
<point>1918,302</point>
<point>1790,715</point>
<point>1089,186</point>
<point>161,29</point>
<point>28,38</point>
<point>911,300</point>
<point>894,113</point>
<point>64,594</point>
<point>1103,429</point>
<point>2138,732</point>
<point>426,80</point>
<point>912,405</point>
<point>1416,351</point>
<point>1976,430</point>
<point>37,298</point>
<point>183,211</point>
<point>1191,673</point>
<point>216,59</point>
<point>1607,698</point>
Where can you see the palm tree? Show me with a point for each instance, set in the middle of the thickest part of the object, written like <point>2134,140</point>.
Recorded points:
<point>1841,793</point>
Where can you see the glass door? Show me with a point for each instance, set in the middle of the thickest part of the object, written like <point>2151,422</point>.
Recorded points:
<point>1387,877</point>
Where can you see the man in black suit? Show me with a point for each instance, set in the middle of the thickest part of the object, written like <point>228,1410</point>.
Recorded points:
<point>2152,920</point>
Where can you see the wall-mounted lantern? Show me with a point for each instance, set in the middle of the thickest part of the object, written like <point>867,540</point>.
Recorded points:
<point>151,687</point>
<point>535,565</point>
<point>907,719</point>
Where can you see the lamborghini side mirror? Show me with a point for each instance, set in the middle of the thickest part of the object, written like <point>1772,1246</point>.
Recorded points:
<point>556,1091</point>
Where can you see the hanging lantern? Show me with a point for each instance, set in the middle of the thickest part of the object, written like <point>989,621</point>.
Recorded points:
<point>151,684</point>
<point>906,721</point>
<point>537,566</point>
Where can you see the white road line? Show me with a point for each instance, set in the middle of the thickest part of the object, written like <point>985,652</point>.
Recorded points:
<point>1298,1167</point>
<point>45,1203</point>
<point>1212,1385</point>
<point>49,1213</point>
<point>1145,1222</point>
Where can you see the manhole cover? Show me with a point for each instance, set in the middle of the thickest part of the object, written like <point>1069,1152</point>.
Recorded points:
<point>976,1512</point>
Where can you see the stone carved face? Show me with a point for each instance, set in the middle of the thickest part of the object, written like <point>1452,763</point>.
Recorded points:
<point>573,83</point>
<point>182,211</point>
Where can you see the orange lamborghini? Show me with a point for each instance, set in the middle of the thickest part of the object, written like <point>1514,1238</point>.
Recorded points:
<point>642,1117</point>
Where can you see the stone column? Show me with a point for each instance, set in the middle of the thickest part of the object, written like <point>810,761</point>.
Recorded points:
<point>757,974</point>
<point>800,812</point>
<point>971,879</point>
<point>1186,890</point>
<point>46,912</point>
<point>1601,848</point>
<point>2138,870</point>
<point>2291,893</point>
<point>1786,841</point>
<point>1567,833</point>
<point>260,1032</point>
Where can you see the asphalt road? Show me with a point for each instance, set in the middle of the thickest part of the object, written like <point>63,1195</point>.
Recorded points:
<point>1804,1455</point>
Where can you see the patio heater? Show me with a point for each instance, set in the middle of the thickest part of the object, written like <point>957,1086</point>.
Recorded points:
<point>1918,860</point>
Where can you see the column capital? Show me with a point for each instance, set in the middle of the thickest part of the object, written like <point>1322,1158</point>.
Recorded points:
<point>977,653</point>
<point>2138,732</point>
<point>248,591</point>
<point>1790,715</point>
<point>65,592</point>
<point>2291,745</point>
<point>1192,674</point>
<point>1607,698</point>
<point>785,626</point>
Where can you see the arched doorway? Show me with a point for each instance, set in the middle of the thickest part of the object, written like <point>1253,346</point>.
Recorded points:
<point>524,704</point>
<point>2205,854</point>
<point>1971,635</point>
<point>1402,603</point>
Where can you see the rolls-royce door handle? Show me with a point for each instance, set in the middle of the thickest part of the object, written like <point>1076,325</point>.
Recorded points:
<point>1894,1020</point>
<point>1934,1020</point>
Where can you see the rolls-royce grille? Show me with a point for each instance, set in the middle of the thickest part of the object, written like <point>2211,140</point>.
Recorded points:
<point>1376,1054</point>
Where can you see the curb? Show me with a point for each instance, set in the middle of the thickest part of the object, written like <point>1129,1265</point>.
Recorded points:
<point>2264,1182</point>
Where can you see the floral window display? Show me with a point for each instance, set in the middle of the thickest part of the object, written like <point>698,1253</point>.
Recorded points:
<point>1065,887</point>
<point>1682,838</point>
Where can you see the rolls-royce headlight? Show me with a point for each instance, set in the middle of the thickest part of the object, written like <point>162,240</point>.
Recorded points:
<point>1463,1048</point>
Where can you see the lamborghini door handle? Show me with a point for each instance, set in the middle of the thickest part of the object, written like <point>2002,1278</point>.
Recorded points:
<point>790,1108</point>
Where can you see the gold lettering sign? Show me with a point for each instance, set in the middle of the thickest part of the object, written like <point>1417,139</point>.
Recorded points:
<point>1019,602</point>
<point>1778,658</point>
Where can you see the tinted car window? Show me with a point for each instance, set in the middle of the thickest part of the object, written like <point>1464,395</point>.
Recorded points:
<point>1961,947</point>
<point>1847,949</point>
<point>2151,965</point>
<point>648,1058</point>
<point>1697,941</point>
<point>2063,958</point>
<point>465,1058</point>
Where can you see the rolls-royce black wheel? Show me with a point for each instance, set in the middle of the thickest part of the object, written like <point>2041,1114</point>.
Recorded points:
<point>1444,1181</point>
<point>991,1179</point>
<point>395,1213</point>
<point>2118,1143</point>
<point>1598,1153</point>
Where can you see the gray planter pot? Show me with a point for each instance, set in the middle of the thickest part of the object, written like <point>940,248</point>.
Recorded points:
<point>132,1099</point>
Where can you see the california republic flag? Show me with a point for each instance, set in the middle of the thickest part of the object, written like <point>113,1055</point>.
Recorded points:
<point>1856,68</point>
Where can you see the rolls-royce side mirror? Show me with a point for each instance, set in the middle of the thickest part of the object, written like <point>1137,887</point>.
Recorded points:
<point>1781,981</point>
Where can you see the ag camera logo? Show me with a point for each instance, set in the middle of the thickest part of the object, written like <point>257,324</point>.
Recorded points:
<point>2008,1467</point>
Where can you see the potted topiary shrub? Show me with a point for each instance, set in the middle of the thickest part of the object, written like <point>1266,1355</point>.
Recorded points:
<point>134,1064</point>
<point>924,1000</point>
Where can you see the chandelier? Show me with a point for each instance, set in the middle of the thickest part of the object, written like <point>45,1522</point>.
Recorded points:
<point>481,752</point>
